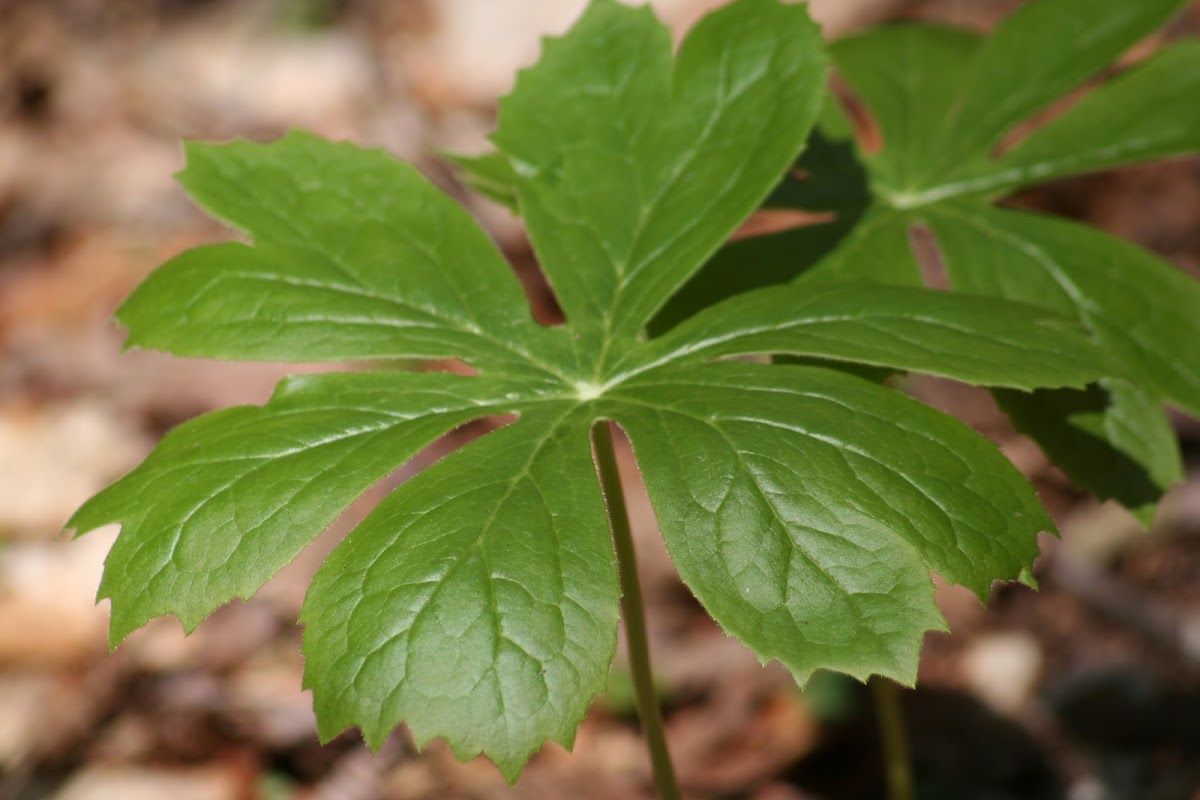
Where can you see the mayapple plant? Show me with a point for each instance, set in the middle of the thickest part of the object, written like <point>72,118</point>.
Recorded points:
<point>805,506</point>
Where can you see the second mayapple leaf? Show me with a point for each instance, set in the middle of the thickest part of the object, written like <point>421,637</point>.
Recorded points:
<point>945,103</point>
<point>479,600</point>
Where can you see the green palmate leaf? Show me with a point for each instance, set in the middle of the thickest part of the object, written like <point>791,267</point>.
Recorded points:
<point>942,100</point>
<point>479,600</point>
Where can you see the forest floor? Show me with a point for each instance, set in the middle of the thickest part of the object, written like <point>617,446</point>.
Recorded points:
<point>1086,690</point>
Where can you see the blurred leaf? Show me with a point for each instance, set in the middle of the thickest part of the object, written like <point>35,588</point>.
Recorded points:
<point>942,100</point>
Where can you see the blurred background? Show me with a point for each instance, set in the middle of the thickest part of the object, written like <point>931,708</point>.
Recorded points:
<point>1087,690</point>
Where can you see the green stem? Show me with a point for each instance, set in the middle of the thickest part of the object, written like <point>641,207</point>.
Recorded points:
<point>897,762</point>
<point>634,614</point>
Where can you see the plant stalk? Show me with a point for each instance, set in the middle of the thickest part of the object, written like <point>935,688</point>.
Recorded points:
<point>634,613</point>
<point>897,760</point>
